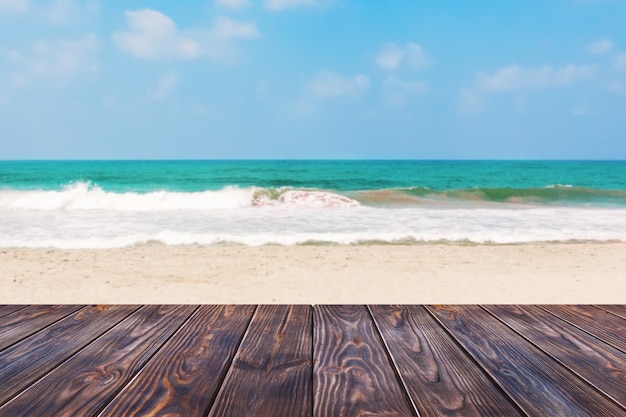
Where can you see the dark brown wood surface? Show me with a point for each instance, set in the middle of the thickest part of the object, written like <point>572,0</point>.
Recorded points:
<point>597,322</point>
<point>85,383</point>
<point>434,369</point>
<point>184,376</point>
<point>271,373</point>
<point>317,361</point>
<point>618,310</point>
<point>8,309</point>
<point>539,385</point>
<point>16,326</point>
<point>352,375</point>
<point>594,361</point>
<point>32,358</point>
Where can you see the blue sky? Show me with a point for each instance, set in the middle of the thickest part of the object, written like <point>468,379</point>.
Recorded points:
<point>214,79</point>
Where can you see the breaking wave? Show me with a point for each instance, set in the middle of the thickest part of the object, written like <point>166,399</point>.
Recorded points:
<point>88,196</point>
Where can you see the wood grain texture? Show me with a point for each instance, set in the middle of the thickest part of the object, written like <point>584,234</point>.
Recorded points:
<point>84,384</point>
<point>22,323</point>
<point>597,322</point>
<point>539,385</point>
<point>352,374</point>
<point>182,379</point>
<point>8,309</point>
<point>271,373</point>
<point>594,361</point>
<point>26,361</point>
<point>440,378</point>
<point>618,310</point>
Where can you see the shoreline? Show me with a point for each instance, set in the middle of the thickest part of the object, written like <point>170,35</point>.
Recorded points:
<point>425,273</point>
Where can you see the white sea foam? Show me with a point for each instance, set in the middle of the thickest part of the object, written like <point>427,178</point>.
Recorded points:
<point>85,196</point>
<point>559,186</point>
<point>295,224</point>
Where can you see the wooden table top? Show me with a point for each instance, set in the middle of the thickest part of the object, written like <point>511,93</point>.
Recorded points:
<point>314,361</point>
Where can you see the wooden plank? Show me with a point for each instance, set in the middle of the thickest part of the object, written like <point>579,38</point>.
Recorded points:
<point>599,364</point>
<point>440,378</point>
<point>618,310</point>
<point>183,377</point>
<point>8,309</point>
<point>85,383</point>
<point>539,385</point>
<point>25,362</point>
<point>352,375</point>
<point>271,373</point>
<point>595,321</point>
<point>29,320</point>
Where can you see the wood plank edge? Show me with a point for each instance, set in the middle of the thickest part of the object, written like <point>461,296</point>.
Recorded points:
<point>394,364</point>
<point>560,363</point>
<point>610,310</point>
<point>583,330</point>
<point>228,369</point>
<point>26,336</point>
<point>477,363</point>
<point>143,367</point>
<point>17,394</point>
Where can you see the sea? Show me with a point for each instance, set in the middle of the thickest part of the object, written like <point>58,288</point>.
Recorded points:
<point>109,204</point>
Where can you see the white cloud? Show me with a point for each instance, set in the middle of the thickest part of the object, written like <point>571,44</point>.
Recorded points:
<point>153,35</point>
<point>56,60</point>
<point>279,5</point>
<point>397,91</point>
<point>619,62</point>
<point>516,78</point>
<point>168,83</point>
<point>330,84</point>
<point>602,47</point>
<point>412,55</point>
<point>233,4</point>
<point>226,28</point>
<point>470,102</point>
<point>61,11</point>
<point>57,11</point>
<point>14,6</point>
<point>390,57</point>
<point>616,86</point>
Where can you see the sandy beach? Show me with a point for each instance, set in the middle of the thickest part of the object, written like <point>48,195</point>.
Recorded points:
<point>429,273</point>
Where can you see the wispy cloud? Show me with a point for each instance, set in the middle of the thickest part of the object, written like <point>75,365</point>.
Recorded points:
<point>397,91</point>
<point>330,84</point>
<point>411,56</point>
<point>619,62</point>
<point>280,5</point>
<point>62,11</point>
<point>54,60</point>
<point>519,81</point>
<point>601,47</point>
<point>165,86</point>
<point>14,6</point>
<point>57,11</point>
<point>515,77</point>
<point>153,35</point>
<point>233,4</point>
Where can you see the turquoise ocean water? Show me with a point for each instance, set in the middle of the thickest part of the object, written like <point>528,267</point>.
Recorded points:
<point>121,203</point>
